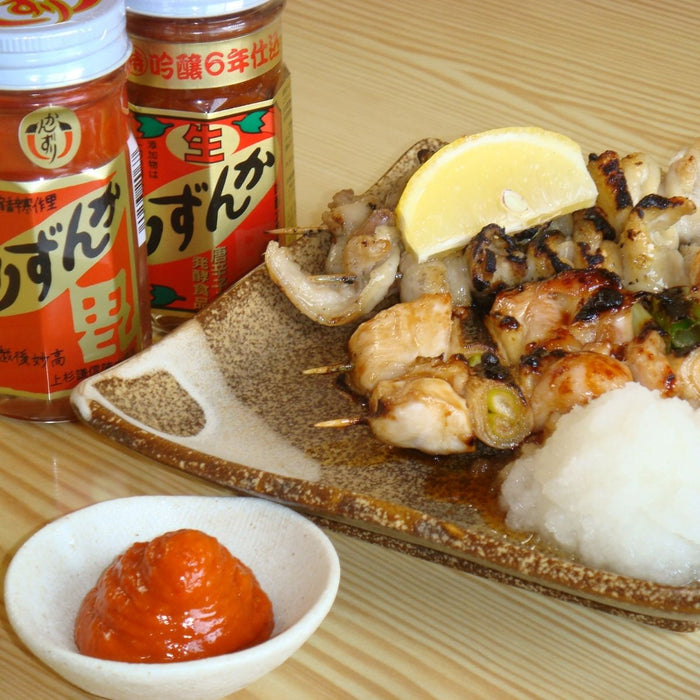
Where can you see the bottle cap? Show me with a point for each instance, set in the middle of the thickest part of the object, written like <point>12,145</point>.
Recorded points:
<point>187,8</point>
<point>50,45</point>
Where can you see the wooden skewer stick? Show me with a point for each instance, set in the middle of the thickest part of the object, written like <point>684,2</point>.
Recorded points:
<point>338,277</point>
<point>339,422</point>
<point>296,230</point>
<point>328,369</point>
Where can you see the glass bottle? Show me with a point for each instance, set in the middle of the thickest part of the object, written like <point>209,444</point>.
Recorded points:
<point>73,276</point>
<point>211,100</point>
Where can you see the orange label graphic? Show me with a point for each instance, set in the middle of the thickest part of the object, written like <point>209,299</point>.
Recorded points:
<point>68,287</point>
<point>50,136</point>
<point>212,188</point>
<point>15,13</point>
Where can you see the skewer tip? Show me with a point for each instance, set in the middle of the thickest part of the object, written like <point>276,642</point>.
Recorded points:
<point>296,230</point>
<point>339,422</point>
<point>328,369</point>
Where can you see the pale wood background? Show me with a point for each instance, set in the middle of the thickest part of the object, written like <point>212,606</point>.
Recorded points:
<point>369,79</point>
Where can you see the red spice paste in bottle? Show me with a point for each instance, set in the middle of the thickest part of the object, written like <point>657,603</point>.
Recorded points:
<point>211,101</point>
<point>178,597</point>
<point>73,286</point>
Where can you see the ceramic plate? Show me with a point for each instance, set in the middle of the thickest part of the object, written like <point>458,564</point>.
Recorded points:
<point>225,397</point>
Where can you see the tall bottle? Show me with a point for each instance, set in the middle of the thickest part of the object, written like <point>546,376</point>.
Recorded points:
<point>211,101</point>
<point>73,278</point>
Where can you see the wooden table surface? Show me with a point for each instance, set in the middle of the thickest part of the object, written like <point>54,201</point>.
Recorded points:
<point>369,79</point>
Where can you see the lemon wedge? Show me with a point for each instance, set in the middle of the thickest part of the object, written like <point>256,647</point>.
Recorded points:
<point>515,177</point>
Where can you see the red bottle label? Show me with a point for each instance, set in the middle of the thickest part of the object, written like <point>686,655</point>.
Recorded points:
<point>213,184</point>
<point>68,284</point>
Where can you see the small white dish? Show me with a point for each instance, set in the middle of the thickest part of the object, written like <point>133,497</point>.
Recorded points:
<point>50,574</point>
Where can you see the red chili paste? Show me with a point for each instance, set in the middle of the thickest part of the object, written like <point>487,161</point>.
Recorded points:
<point>178,597</point>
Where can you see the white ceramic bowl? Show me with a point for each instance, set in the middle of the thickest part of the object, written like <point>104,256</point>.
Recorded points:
<point>50,574</point>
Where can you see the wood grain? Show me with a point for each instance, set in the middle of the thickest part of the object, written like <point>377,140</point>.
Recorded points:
<point>369,79</point>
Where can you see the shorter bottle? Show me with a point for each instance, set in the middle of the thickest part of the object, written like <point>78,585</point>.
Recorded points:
<point>73,269</point>
<point>211,102</point>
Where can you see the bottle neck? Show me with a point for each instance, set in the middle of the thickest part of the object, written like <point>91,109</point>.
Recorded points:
<point>196,30</point>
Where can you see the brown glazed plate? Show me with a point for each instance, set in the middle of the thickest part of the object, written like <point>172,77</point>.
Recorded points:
<point>225,397</point>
